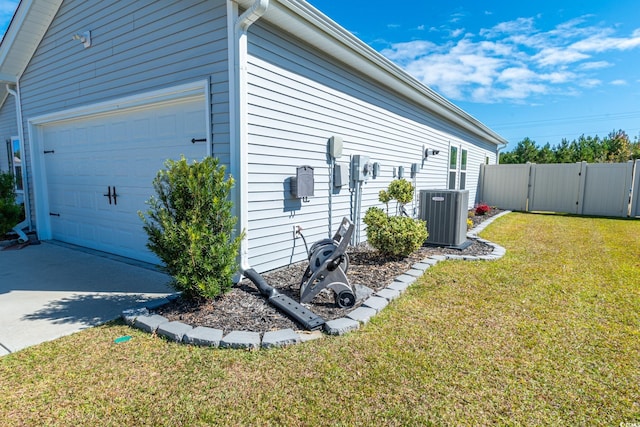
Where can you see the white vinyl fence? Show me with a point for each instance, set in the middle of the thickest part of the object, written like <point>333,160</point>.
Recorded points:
<point>600,189</point>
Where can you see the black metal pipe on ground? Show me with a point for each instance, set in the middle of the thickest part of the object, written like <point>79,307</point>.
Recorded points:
<point>308,319</point>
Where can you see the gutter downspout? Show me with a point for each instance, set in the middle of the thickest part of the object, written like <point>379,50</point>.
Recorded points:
<point>239,115</point>
<point>498,152</point>
<point>27,205</point>
<point>239,150</point>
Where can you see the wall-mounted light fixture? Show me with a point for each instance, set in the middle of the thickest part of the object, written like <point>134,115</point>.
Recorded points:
<point>430,152</point>
<point>426,152</point>
<point>85,38</point>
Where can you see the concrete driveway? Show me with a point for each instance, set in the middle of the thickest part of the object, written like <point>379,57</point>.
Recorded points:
<point>48,291</point>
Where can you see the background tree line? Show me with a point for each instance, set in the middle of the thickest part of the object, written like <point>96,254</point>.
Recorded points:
<point>614,148</point>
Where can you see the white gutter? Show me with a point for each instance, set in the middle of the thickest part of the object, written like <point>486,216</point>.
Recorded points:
<point>27,205</point>
<point>239,115</point>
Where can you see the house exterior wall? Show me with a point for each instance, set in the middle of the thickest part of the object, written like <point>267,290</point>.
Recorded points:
<point>298,99</point>
<point>136,47</point>
<point>8,129</point>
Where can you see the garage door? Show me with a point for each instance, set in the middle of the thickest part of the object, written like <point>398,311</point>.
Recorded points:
<point>99,171</point>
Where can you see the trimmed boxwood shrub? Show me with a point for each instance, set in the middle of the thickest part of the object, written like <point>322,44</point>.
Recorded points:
<point>397,235</point>
<point>190,227</point>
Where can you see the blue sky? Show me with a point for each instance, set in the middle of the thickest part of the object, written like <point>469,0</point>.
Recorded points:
<point>541,69</point>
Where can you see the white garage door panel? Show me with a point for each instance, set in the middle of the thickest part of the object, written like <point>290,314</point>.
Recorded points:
<point>122,151</point>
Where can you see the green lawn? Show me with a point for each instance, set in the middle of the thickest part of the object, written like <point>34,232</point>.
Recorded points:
<point>547,335</point>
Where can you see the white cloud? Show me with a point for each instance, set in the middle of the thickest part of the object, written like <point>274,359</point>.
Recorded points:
<point>510,27</point>
<point>515,74</point>
<point>589,83</point>
<point>603,44</point>
<point>514,61</point>
<point>456,17</point>
<point>619,82</point>
<point>403,53</point>
<point>594,65</point>
<point>457,32</point>
<point>555,56</point>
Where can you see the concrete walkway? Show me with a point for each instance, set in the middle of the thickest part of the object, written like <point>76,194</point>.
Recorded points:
<point>48,291</point>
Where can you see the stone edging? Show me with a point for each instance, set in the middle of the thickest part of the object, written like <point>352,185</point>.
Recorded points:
<point>141,318</point>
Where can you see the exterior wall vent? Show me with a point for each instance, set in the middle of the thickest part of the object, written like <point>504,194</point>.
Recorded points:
<point>446,214</point>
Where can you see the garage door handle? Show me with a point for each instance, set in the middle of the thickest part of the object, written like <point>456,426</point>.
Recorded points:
<point>115,196</point>
<point>108,194</point>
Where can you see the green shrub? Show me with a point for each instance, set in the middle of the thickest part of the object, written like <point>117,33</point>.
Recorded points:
<point>401,190</point>
<point>190,227</point>
<point>395,235</point>
<point>10,212</point>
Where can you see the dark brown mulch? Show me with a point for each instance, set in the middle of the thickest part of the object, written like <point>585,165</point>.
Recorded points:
<point>243,308</point>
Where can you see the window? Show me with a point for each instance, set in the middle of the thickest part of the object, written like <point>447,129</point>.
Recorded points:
<point>463,169</point>
<point>457,168</point>
<point>453,167</point>
<point>15,162</point>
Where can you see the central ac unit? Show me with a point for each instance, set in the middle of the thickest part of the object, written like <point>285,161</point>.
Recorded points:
<point>446,214</point>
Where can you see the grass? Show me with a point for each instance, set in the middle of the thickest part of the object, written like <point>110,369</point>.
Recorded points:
<point>547,335</point>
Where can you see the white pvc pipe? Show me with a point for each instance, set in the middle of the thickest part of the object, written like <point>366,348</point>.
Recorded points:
<point>239,115</point>
<point>498,153</point>
<point>22,237</point>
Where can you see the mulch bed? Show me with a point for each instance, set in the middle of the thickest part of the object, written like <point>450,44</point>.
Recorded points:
<point>245,309</point>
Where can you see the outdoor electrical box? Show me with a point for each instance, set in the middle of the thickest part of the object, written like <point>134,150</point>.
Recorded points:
<point>340,175</point>
<point>302,184</point>
<point>376,170</point>
<point>335,147</point>
<point>414,169</point>
<point>400,172</point>
<point>361,168</point>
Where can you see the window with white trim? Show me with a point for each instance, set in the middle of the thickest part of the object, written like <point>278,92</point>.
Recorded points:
<point>457,168</point>
<point>463,169</point>
<point>15,162</point>
<point>453,167</point>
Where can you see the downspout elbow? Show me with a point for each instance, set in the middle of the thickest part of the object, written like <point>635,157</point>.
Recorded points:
<point>498,152</point>
<point>252,14</point>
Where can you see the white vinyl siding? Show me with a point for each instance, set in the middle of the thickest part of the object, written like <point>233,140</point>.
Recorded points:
<point>137,46</point>
<point>297,101</point>
<point>8,129</point>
